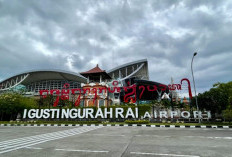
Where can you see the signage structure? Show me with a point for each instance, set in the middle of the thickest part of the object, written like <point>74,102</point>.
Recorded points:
<point>88,113</point>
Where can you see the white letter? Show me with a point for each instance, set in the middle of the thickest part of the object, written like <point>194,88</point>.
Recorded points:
<point>25,113</point>
<point>110,113</point>
<point>136,113</point>
<point>89,111</point>
<point>53,112</point>
<point>197,114</point>
<point>147,115</point>
<point>208,114</point>
<point>79,113</point>
<point>163,113</point>
<point>57,113</point>
<point>37,113</point>
<point>155,114</point>
<point>46,113</point>
<point>99,113</point>
<point>65,113</point>
<point>173,113</point>
<point>119,111</point>
<point>74,115</point>
<point>31,115</point>
<point>183,114</point>
<point>130,113</point>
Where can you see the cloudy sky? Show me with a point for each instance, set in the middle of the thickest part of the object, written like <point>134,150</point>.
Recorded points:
<point>75,35</point>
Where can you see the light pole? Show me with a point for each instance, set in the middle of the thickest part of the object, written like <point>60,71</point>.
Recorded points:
<point>195,53</point>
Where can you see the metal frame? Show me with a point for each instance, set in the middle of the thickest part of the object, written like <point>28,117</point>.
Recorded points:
<point>139,69</point>
<point>13,82</point>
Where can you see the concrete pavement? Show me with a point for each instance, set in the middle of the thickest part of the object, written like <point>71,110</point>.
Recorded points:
<point>114,141</point>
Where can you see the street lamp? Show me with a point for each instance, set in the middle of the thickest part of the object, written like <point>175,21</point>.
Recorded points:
<point>195,53</point>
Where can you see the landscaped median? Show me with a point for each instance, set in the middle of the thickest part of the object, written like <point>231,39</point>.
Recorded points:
<point>140,123</point>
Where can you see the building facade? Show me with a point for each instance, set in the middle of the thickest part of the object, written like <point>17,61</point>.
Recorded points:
<point>126,75</point>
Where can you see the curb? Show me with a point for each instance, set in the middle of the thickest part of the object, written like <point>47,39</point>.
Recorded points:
<point>129,125</point>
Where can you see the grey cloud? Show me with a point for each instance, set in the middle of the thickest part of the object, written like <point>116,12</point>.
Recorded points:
<point>76,35</point>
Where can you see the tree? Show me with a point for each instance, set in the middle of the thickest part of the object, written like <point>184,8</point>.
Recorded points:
<point>166,103</point>
<point>216,99</point>
<point>13,103</point>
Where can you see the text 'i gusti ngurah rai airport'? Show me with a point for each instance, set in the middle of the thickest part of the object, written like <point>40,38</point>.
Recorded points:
<point>104,113</point>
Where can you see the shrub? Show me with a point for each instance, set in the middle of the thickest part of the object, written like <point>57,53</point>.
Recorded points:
<point>137,121</point>
<point>227,114</point>
<point>13,103</point>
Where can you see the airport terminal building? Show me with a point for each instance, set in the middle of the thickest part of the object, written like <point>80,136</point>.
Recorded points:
<point>32,82</point>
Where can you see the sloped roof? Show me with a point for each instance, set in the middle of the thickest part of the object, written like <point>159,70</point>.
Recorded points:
<point>94,70</point>
<point>28,77</point>
<point>46,73</point>
<point>127,64</point>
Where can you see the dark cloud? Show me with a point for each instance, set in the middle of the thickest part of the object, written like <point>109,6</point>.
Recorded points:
<point>77,35</point>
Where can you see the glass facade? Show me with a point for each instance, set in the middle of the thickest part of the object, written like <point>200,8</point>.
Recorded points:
<point>51,84</point>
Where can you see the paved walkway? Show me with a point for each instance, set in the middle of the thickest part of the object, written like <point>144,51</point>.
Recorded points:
<point>114,141</point>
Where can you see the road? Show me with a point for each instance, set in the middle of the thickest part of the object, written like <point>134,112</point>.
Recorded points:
<point>114,141</point>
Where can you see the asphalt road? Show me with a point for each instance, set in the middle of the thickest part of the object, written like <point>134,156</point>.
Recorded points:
<point>114,141</point>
